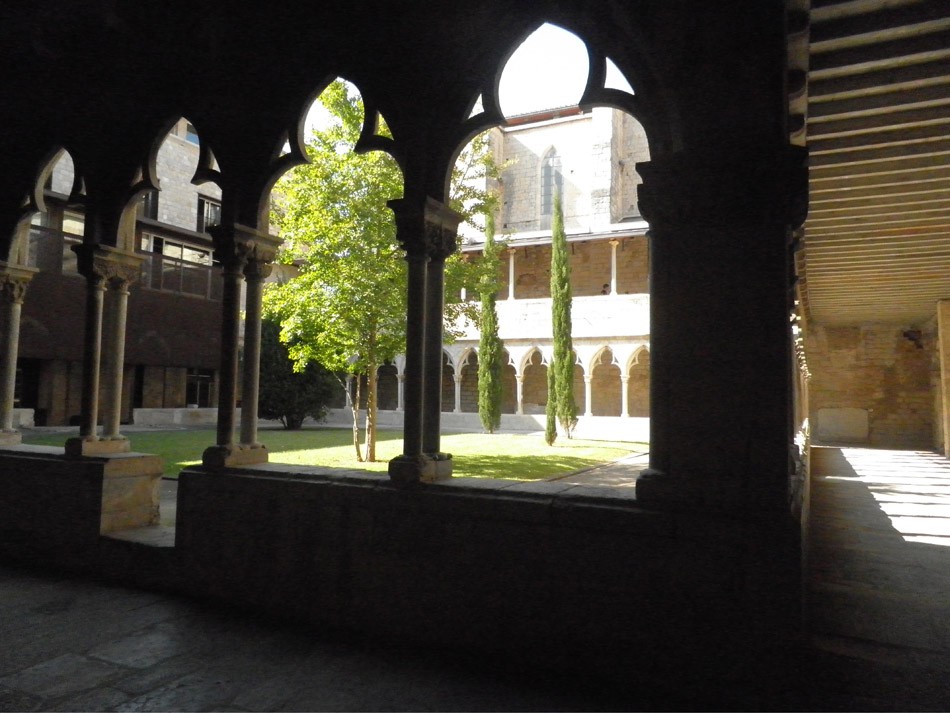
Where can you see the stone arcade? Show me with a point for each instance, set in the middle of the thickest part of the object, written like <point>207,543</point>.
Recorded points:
<point>694,584</point>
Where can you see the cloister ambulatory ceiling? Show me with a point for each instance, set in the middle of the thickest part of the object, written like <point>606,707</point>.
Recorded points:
<point>877,237</point>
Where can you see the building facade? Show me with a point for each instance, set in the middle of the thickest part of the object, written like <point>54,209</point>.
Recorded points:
<point>589,158</point>
<point>174,307</point>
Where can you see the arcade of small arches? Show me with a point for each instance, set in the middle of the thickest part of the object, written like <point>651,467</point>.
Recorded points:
<point>609,380</point>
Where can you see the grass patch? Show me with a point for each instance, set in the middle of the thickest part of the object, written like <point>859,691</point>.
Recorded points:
<point>501,455</point>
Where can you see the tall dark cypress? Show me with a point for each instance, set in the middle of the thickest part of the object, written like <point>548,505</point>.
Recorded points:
<point>489,345</point>
<point>561,399</point>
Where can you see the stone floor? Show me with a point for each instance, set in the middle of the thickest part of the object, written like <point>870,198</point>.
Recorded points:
<point>80,645</point>
<point>878,587</point>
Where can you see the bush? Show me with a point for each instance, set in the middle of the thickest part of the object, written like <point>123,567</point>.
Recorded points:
<point>287,395</point>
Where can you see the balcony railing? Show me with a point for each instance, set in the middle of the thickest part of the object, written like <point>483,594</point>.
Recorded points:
<point>595,316</point>
<point>49,250</point>
<point>169,274</point>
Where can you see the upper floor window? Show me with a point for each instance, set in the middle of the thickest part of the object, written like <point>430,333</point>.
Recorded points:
<point>551,182</point>
<point>209,213</point>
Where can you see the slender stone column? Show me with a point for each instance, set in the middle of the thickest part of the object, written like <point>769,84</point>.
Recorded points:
<point>432,388</point>
<point>458,392</point>
<point>625,395</point>
<point>400,391</point>
<point>235,246</point>
<point>92,357</point>
<point>613,266</point>
<point>13,282</point>
<point>720,225</point>
<point>255,272</point>
<point>230,334</point>
<point>118,296</point>
<point>427,231</point>
<point>103,266</point>
<point>588,392</point>
<point>519,388</point>
<point>511,273</point>
<point>415,355</point>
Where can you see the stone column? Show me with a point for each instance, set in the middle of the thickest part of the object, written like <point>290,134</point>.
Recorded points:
<point>103,266</point>
<point>588,391</point>
<point>255,272</point>
<point>625,395</point>
<point>426,230</point>
<point>613,266</point>
<point>519,390</point>
<point>720,337</point>
<point>410,232</point>
<point>13,282</point>
<point>441,241</point>
<point>114,356</point>
<point>400,391</point>
<point>235,246</point>
<point>457,377</point>
<point>511,273</point>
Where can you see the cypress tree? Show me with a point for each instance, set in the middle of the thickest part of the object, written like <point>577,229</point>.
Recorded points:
<point>489,345</point>
<point>561,371</point>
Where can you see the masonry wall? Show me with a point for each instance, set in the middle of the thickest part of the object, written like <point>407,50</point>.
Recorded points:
<point>878,372</point>
<point>590,269</point>
<point>175,163</point>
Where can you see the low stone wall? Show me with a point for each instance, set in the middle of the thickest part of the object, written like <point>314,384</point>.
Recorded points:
<point>575,577</point>
<point>596,428</point>
<point>58,507</point>
<point>23,418</point>
<point>177,416</point>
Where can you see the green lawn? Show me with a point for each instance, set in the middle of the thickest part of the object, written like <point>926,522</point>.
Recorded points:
<point>501,455</point>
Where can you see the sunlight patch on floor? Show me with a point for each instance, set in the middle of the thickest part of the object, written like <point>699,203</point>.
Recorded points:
<point>911,487</point>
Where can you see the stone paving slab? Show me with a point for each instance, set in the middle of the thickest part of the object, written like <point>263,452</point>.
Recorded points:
<point>101,647</point>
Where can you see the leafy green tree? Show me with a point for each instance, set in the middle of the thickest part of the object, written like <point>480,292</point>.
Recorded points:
<point>285,394</point>
<point>489,345</point>
<point>560,404</point>
<point>346,309</point>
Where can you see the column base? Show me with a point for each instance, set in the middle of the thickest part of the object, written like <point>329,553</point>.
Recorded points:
<point>10,438</point>
<point>234,456</point>
<point>79,446</point>
<point>427,468</point>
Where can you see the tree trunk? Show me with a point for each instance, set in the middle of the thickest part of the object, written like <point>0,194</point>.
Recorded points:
<point>372,379</point>
<point>355,411</point>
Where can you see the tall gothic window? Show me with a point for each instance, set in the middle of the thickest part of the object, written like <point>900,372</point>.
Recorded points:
<point>551,182</point>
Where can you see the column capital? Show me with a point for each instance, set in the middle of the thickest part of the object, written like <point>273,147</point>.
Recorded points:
<point>429,228</point>
<point>13,282</point>
<point>720,188</point>
<point>104,263</point>
<point>236,246</point>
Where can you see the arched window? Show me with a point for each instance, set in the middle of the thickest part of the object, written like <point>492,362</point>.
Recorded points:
<point>551,181</point>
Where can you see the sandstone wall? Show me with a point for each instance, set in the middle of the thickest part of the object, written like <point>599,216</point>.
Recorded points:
<point>881,373</point>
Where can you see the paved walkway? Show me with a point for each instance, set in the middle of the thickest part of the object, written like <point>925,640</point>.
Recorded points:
<point>878,579</point>
<point>78,645</point>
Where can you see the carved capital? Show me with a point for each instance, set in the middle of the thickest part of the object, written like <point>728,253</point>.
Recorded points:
<point>12,290</point>
<point>13,282</point>
<point>106,265</point>
<point>428,229</point>
<point>723,189</point>
<point>257,269</point>
<point>237,246</point>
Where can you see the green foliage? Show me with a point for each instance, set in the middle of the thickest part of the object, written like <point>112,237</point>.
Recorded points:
<point>489,345</point>
<point>562,395</point>
<point>347,307</point>
<point>285,394</point>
